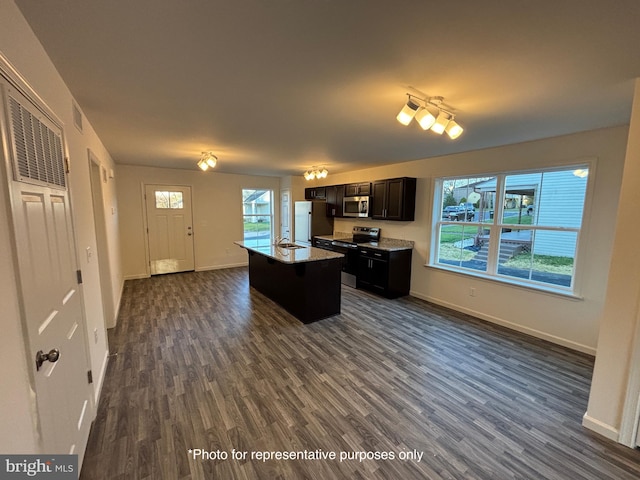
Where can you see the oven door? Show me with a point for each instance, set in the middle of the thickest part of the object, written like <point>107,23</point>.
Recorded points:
<point>355,207</point>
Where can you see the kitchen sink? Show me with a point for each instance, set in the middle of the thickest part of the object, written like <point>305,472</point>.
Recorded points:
<point>290,246</point>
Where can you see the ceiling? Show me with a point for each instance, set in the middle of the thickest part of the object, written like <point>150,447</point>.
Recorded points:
<point>274,87</point>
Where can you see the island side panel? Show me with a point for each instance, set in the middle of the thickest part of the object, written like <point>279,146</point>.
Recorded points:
<point>310,291</point>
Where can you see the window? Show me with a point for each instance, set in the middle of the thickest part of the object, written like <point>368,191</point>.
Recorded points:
<point>257,216</point>
<point>515,227</point>
<point>168,199</point>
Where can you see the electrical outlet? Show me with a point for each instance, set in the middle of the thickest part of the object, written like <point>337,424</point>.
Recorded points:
<point>95,335</point>
<point>228,251</point>
<point>472,291</point>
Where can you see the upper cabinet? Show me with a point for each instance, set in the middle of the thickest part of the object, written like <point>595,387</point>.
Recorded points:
<point>335,195</point>
<point>390,199</point>
<point>357,189</point>
<point>394,199</point>
<point>315,193</point>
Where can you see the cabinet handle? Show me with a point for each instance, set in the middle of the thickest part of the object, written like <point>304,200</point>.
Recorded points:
<point>378,254</point>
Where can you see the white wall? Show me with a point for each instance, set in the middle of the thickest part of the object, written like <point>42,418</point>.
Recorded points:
<point>621,314</point>
<point>217,214</point>
<point>567,321</point>
<point>21,48</point>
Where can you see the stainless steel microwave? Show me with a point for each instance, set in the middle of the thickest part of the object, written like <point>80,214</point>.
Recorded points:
<point>355,206</point>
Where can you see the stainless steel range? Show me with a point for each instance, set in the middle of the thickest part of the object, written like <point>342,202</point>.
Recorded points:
<point>349,248</point>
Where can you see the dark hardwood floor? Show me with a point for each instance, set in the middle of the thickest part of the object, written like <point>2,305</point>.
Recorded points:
<point>203,362</point>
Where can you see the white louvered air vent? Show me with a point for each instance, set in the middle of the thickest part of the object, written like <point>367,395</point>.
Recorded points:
<point>38,153</point>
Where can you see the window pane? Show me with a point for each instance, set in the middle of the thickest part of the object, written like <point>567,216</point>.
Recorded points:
<point>257,217</point>
<point>162,199</point>
<point>554,198</point>
<point>175,200</point>
<point>257,230</point>
<point>169,200</point>
<point>464,246</point>
<point>463,201</point>
<point>542,256</point>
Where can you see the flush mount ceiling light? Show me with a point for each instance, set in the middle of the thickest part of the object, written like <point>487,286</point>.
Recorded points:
<point>316,172</point>
<point>208,160</point>
<point>430,114</point>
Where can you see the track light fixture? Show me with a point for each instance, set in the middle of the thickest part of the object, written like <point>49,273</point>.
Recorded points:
<point>408,112</point>
<point>430,114</point>
<point>316,172</point>
<point>207,160</point>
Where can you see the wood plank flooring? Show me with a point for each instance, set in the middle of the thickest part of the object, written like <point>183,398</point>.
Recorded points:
<point>204,362</point>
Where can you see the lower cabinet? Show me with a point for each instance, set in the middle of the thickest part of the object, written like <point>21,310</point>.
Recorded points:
<point>387,273</point>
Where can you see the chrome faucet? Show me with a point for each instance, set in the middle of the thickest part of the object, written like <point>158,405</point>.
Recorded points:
<point>280,240</point>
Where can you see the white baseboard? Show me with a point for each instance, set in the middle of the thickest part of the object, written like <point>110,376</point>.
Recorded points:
<point>118,304</point>
<point>220,267</point>
<point>603,429</point>
<point>100,380</point>
<point>513,326</point>
<point>197,269</point>
<point>137,277</point>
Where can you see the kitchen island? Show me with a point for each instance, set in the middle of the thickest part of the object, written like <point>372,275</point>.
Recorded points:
<point>304,281</point>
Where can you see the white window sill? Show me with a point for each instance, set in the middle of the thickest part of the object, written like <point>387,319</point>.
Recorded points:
<point>508,282</point>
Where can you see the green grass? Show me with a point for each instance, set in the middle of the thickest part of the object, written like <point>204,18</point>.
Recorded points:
<point>542,263</point>
<point>450,252</point>
<point>455,233</point>
<point>524,220</point>
<point>256,226</point>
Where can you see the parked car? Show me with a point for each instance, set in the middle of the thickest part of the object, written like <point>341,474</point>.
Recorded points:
<point>448,210</point>
<point>468,206</point>
<point>459,214</point>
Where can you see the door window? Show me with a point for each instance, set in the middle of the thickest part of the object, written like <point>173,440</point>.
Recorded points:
<point>169,200</point>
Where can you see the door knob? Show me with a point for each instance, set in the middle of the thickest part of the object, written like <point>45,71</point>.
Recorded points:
<point>42,357</point>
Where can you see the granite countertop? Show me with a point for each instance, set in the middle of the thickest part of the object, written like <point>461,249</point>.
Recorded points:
<point>388,244</point>
<point>292,255</point>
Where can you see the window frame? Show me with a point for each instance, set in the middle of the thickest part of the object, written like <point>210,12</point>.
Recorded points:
<point>271,213</point>
<point>496,225</point>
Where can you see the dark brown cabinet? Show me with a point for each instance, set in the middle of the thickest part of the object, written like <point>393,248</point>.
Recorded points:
<point>387,273</point>
<point>315,193</point>
<point>335,195</point>
<point>357,189</point>
<point>394,199</point>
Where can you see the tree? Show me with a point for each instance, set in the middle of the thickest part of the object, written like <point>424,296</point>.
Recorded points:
<point>449,200</point>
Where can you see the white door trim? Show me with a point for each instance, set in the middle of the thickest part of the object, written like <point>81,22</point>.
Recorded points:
<point>102,246</point>
<point>147,232</point>
<point>13,80</point>
<point>630,421</point>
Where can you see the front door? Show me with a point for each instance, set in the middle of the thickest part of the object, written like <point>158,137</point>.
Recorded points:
<point>170,228</point>
<point>50,293</point>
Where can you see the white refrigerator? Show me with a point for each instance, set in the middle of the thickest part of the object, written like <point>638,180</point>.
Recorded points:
<point>311,220</point>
